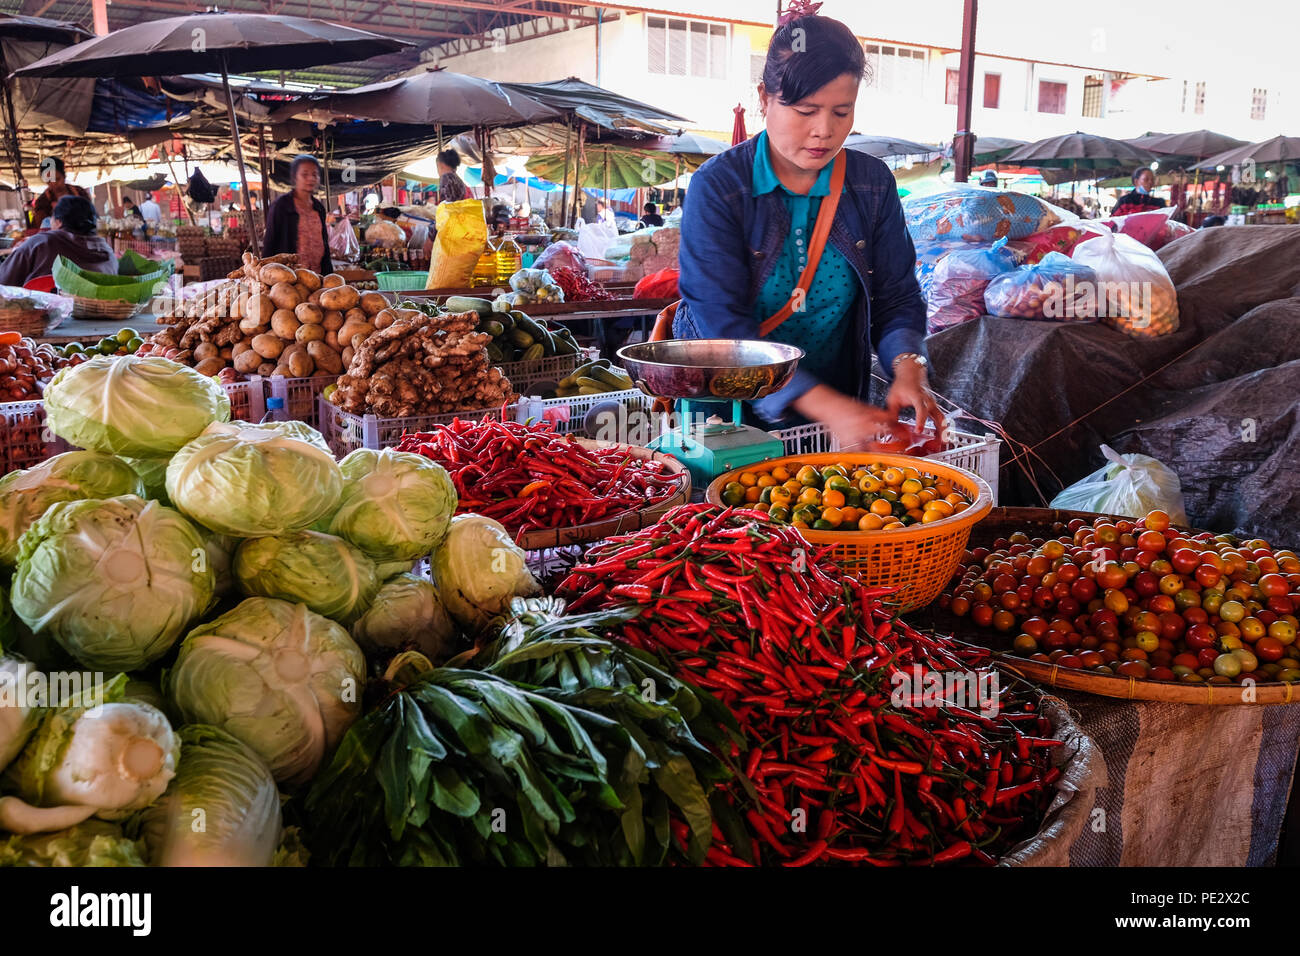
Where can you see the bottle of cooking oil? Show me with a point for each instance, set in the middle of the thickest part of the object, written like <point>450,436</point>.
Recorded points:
<point>509,259</point>
<point>485,270</point>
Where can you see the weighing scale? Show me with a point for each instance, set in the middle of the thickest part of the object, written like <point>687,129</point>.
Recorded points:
<point>710,378</point>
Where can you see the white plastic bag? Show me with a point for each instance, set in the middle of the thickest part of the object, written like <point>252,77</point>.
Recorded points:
<point>1134,293</point>
<point>594,237</point>
<point>1130,486</point>
<point>344,245</point>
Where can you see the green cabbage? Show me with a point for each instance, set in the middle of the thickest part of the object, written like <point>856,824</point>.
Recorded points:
<point>74,475</point>
<point>115,582</point>
<point>319,570</point>
<point>406,609</point>
<point>19,715</point>
<point>141,407</point>
<point>396,506</point>
<point>221,809</point>
<point>387,570</point>
<point>478,568</point>
<point>116,756</point>
<point>221,554</point>
<point>281,678</point>
<point>92,843</point>
<point>153,475</point>
<point>252,480</point>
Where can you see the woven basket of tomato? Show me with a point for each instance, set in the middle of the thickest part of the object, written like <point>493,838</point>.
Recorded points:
<point>892,520</point>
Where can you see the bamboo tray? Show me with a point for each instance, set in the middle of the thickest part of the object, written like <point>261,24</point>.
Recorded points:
<point>543,538</point>
<point>1001,522</point>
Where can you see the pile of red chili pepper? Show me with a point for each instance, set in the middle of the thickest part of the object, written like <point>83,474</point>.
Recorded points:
<point>529,477</point>
<point>577,286</point>
<point>837,766</point>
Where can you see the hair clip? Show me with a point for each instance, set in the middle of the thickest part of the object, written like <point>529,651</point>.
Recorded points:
<point>797,9</point>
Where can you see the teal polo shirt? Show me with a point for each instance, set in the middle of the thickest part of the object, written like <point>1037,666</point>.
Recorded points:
<point>820,329</point>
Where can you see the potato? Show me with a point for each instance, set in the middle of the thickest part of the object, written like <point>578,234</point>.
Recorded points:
<point>284,323</point>
<point>310,333</point>
<point>247,362</point>
<point>347,356</point>
<point>384,318</point>
<point>332,281</point>
<point>250,325</point>
<point>274,272</point>
<point>205,350</point>
<point>301,364</point>
<point>210,366</point>
<point>259,308</point>
<point>314,298</point>
<point>309,314</point>
<point>307,278</point>
<point>333,321</point>
<point>351,330</point>
<point>266,369</point>
<point>332,339</point>
<point>228,353</point>
<point>239,348</point>
<point>304,293</point>
<point>268,346</point>
<point>326,359</point>
<point>291,349</point>
<point>285,296</point>
<point>238,308</point>
<point>282,370</point>
<point>341,298</point>
<point>355,315</point>
<point>373,302</point>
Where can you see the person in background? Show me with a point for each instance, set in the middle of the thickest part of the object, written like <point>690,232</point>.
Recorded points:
<point>55,175</point>
<point>989,179</point>
<point>152,212</point>
<point>650,215</point>
<point>71,235</point>
<point>296,221</point>
<point>1140,199</point>
<point>451,188</point>
<point>604,213</point>
<point>386,231</point>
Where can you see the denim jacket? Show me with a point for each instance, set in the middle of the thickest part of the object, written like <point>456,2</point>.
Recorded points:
<point>731,241</point>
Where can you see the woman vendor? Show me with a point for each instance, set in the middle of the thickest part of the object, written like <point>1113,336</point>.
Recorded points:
<point>748,239</point>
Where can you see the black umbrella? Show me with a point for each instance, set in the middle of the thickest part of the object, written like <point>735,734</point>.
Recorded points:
<point>994,149</point>
<point>440,97</point>
<point>1197,144</point>
<point>1079,151</point>
<point>221,42</point>
<point>889,147</point>
<point>1279,149</point>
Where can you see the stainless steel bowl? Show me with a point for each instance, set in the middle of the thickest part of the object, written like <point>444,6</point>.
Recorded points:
<point>704,369</point>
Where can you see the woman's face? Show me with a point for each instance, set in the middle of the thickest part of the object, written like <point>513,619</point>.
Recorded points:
<point>307,178</point>
<point>1146,179</point>
<point>809,133</point>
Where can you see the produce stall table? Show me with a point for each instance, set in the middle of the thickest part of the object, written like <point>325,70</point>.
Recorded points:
<point>87,331</point>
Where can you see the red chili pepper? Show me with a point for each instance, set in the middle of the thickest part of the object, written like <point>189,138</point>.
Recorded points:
<point>814,851</point>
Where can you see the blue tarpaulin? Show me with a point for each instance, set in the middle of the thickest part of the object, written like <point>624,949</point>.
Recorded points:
<point>119,107</point>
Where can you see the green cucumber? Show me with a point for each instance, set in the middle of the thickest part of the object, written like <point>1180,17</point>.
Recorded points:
<point>468,303</point>
<point>525,322</point>
<point>494,329</point>
<point>564,344</point>
<point>619,382</point>
<point>520,338</point>
<point>494,353</point>
<point>534,352</point>
<point>597,384</point>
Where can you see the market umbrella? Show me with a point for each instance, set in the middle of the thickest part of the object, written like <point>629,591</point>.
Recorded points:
<point>1279,149</point>
<point>1197,144</point>
<point>441,97</point>
<point>888,147</point>
<point>1077,151</point>
<point>221,42</point>
<point>628,168</point>
<point>738,134</point>
<point>992,149</point>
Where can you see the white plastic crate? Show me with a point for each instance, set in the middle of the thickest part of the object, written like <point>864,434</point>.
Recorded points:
<point>247,400</point>
<point>24,439</point>
<point>346,432</point>
<point>976,453</point>
<point>552,368</point>
<point>301,395</point>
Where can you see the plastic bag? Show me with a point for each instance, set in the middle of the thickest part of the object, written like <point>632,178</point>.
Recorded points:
<point>385,234</point>
<point>1134,293</point>
<point>595,236</point>
<point>657,285</point>
<point>978,215</point>
<point>57,307</point>
<point>461,239</point>
<point>535,285</point>
<point>957,288</point>
<point>560,254</point>
<point>344,245</point>
<point>1060,239</point>
<point>1057,287</point>
<point>1128,486</point>
<point>928,257</point>
<point>1153,229</point>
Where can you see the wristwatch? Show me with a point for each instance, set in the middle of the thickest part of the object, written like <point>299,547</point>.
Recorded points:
<point>920,360</point>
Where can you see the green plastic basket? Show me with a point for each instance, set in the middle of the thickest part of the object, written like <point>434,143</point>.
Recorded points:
<point>401,281</point>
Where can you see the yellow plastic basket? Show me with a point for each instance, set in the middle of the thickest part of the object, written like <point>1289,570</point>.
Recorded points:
<point>919,559</point>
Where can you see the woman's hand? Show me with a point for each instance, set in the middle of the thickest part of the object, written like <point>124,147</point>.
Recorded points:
<point>911,390</point>
<point>856,424</point>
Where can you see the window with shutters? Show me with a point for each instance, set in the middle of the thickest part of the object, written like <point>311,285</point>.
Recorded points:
<point>895,70</point>
<point>677,47</point>
<point>1258,103</point>
<point>1051,97</point>
<point>992,90</point>
<point>952,80</point>
<point>1200,98</point>
<point>1094,96</point>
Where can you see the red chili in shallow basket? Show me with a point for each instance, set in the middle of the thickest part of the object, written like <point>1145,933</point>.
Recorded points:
<point>839,766</point>
<point>528,477</point>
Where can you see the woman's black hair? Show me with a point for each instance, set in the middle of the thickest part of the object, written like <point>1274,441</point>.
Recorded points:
<point>76,213</point>
<point>807,53</point>
<point>392,212</point>
<point>1140,170</point>
<point>299,161</point>
<point>449,158</point>
<point>651,208</point>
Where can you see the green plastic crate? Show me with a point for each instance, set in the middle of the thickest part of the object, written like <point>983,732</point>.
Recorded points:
<point>401,281</point>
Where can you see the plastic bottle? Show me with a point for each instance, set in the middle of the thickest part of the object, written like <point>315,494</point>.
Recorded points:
<point>509,259</point>
<point>275,410</point>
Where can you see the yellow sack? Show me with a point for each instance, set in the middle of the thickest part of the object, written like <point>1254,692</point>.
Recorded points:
<point>462,236</point>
